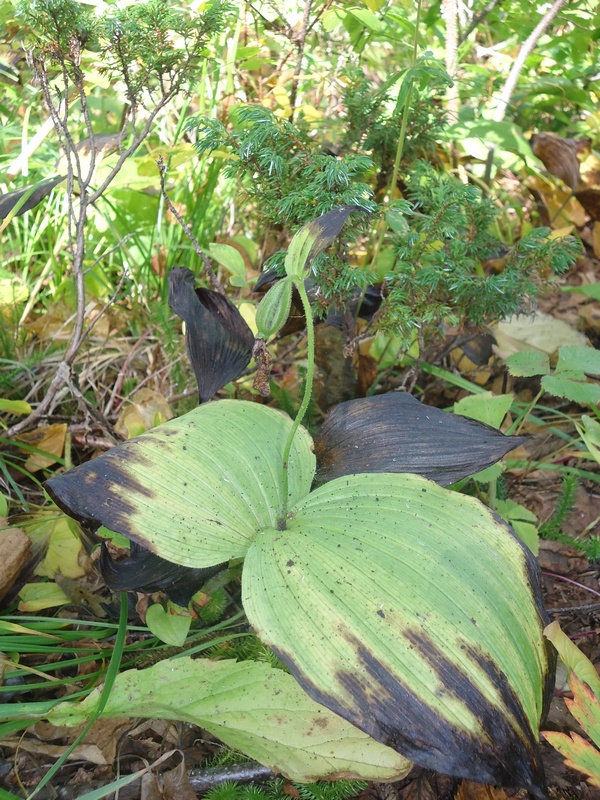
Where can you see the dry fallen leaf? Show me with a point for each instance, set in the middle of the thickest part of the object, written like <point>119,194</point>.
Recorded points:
<point>537,331</point>
<point>50,439</point>
<point>559,156</point>
<point>14,551</point>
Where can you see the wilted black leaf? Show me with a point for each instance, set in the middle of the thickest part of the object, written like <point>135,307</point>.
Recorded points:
<point>144,571</point>
<point>219,342</point>
<point>9,201</point>
<point>326,227</point>
<point>395,433</point>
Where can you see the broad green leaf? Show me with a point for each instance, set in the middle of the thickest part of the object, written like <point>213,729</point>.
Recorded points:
<point>527,363</point>
<point>169,628</point>
<point>563,385</point>
<point>368,19</point>
<point>196,490</point>
<point>488,408</point>
<point>251,707</point>
<point>414,613</point>
<point>572,656</point>
<point>232,260</point>
<point>584,359</point>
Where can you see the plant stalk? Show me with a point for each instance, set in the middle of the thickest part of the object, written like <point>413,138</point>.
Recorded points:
<point>310,374</point>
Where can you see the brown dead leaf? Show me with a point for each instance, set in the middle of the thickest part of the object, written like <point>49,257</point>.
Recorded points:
<point>559,156</point>
<point>563,208</point>
<point>146,409</point>
<point>176,784</point>
<point>50,439</point>
<point>100,742</point>
<point>469,790</point>
<point>14,552</point>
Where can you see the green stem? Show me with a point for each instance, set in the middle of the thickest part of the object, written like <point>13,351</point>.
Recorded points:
<point>310,374</point>
<point>401,140</point>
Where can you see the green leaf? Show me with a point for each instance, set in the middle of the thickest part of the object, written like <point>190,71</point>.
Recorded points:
<point>38,596</point>
<point>169,628</point>
<point>522,521</point>
<point>414,613</point>
<point>196,490</point>
<point>251,707</point>
<point>584,359</point>
<point>367,19</point>
<point>579,392</point>
<point>589,431</point>
<point>313,238</point>
<point>588,289</point>
<point>572,656</point>
<point>487,408</point>
<point>274,308</point>
<point>527,363</point>
<point>15,406</point>
<point>232,260</point>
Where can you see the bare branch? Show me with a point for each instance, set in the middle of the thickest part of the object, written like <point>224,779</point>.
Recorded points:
<point>162,169</point>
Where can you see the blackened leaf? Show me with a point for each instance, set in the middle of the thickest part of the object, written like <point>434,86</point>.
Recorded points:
<point>144,571</point>
<point>9,201</point>
<point>395,433</point>
<point>415,613</point>
<point>219,342</point>
<point>196,490</point>
<point>313,238</point>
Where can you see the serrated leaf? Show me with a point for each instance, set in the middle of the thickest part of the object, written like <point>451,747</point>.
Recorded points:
<point>585,708</point>
<point>527,363</point>
<point>395,433</point>
<point>251,707</point>
<point>414,613</point>
<point>196,490</point>
<point>572,656</point>
<point>485,407</point>
<point>584,359</point>
<point>578,754</point>
<point>562,385</point>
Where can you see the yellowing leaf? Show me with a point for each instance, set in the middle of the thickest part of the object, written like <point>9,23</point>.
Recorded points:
<point>146,409</point>
<point>38,596</point>
<point>63,548</point>
<point>51,440</point>
<point>573,657</point>
<point>253,708</point>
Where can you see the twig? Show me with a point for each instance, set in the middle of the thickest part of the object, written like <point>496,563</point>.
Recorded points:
<point>526,48</point>
<point>162,171</point>
<point>300,41</point>
<point>567,610</point>
<point>201,781</point>
<point>477,19</point>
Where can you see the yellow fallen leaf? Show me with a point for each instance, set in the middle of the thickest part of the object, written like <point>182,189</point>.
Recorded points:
<point>38,596</point>
<point>51,440</point>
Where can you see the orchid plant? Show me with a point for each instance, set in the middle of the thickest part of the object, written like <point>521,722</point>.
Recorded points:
<point>409,616</point>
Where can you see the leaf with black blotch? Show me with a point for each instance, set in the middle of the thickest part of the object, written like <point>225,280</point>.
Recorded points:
<point>313,238</point>
<point>144,571</point>
<point>219,342</point>
<point>396,433</point>
<point>40,191</point>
